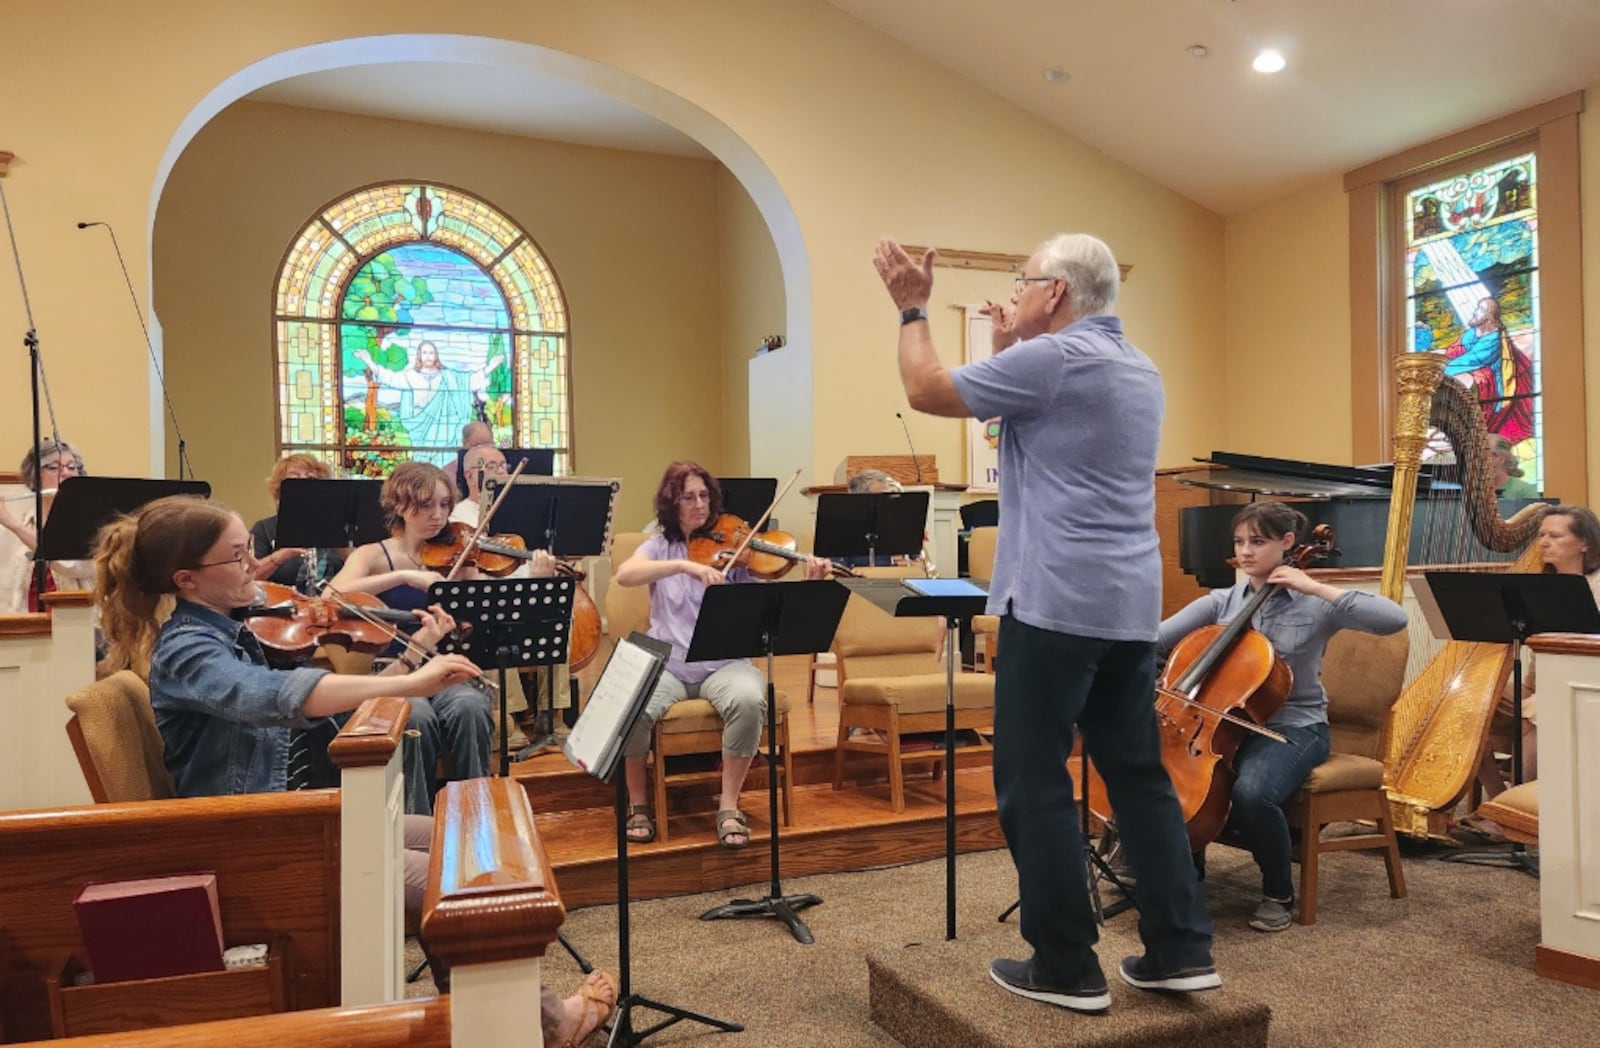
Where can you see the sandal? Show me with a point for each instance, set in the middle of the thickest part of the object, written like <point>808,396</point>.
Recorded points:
<point>732,824</point>
<point>598,997</point>
<point>640,827</point>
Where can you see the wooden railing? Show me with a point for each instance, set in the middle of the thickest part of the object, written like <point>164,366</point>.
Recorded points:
<point>421,1023</point>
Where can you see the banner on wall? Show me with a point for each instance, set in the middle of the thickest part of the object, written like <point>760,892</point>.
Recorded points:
<point>983,435</point>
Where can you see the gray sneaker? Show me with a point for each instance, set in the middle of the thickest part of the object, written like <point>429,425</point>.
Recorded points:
<point>1272,916</point>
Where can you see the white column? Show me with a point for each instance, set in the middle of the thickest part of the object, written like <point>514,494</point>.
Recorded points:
<point>371,886</point>
<point>43,659</point>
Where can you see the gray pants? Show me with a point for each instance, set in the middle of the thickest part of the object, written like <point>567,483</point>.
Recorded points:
<point>737,691</point>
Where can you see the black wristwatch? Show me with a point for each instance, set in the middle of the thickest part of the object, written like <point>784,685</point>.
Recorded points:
<point>915,313</point>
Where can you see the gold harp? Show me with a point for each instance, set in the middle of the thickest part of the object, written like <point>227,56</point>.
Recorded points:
<point>1440,724</point>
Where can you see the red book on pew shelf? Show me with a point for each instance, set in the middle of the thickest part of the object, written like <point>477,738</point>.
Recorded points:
<point>149,929</point>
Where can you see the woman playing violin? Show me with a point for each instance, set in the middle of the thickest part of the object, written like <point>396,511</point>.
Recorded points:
<point>1298,620</point>
<point>417,500</point>
<point>687,500</point>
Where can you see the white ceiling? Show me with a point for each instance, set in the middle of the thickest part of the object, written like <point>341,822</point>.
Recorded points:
<point>1365,78</point>
<point>484,98</point>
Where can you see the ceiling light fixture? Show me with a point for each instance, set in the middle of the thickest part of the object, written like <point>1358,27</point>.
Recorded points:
<point>1268,61</point>
<point>1057,75</point>
<point>1198,50</point>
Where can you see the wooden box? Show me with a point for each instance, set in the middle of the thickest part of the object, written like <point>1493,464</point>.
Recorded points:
<point>139,1004</point>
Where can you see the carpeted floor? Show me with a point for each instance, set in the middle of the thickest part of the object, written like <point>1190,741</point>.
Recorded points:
<point>1450,965</point>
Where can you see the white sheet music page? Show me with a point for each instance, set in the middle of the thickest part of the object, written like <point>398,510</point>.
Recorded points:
<point>621,690</point>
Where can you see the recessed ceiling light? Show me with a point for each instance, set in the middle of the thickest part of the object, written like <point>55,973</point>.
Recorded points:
<point>1198,50</point>
<point>1268,61</point>
<point>1057,75</point>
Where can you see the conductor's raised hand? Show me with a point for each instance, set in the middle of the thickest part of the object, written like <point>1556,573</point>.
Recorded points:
<point>441,671</point>
<point>909,282</point>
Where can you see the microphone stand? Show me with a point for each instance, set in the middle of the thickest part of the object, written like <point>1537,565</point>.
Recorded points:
<point>38,382</point>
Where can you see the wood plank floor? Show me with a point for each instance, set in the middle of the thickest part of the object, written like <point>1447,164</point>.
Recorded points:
<point>832,831</point>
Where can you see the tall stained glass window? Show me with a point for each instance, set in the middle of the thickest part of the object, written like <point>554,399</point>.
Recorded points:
<point>1472,269</point>
<point>405,311</point>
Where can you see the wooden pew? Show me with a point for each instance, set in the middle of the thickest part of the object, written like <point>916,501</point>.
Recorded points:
<point>492,911</point>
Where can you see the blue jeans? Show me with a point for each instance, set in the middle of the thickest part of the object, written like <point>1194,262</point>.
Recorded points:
<point>1268,774</point>
<point>1047,684</point>
<point>458,722</point>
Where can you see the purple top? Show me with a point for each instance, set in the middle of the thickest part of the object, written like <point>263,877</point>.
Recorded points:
<point>675,606</point>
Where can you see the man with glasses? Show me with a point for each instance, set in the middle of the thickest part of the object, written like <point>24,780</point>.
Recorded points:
<point>1077,586</point>
<point>481,465</point>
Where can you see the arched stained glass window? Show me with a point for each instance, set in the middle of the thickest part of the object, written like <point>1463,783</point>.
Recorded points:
<point>405,311</point>
<point>1472,272</point>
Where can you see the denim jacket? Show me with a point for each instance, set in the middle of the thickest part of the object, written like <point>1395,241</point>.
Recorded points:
<point>224,716</point>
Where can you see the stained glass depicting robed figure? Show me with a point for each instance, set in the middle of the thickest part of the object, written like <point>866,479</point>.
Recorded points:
<point>406,311</point>
<point>1472,262</point>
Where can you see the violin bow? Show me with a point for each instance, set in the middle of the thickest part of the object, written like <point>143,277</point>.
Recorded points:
<point>483,524</point>
<point>756,526</point>
<point>401,636</point>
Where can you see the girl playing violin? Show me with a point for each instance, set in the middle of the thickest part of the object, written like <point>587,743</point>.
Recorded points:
<point>687,500</point>
<point>1298,620</point>
<point>417,499</point>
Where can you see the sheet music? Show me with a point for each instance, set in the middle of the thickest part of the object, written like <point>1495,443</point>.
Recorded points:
<point>618,697</point>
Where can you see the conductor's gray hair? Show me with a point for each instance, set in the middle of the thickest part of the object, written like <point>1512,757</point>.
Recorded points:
<point>1087,266</point>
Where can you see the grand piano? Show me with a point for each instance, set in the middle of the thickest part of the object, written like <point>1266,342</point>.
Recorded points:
<point>1354,499</point>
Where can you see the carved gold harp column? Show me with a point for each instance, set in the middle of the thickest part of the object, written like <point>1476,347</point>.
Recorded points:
<point>1440,724</point>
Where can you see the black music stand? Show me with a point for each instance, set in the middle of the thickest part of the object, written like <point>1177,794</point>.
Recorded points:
<point>958,600</point>
<point>84,505</point>
<point>748,497</point>
<point>510,622</point>
<point>314,513</point>
<point>541,462</point>
<point>744,621</point>
<point>570,520</point>
<point>1507,608</point>
<point>598,745</point>
<point>857,527</point>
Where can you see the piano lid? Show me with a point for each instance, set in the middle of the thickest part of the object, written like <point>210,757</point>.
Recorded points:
<point>1291,478</point>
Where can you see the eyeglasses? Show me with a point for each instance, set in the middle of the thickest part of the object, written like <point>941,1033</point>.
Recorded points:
<point>60,467</point>
<point>689,498</point>
<point>1022,282</point>
<point>243,560</point>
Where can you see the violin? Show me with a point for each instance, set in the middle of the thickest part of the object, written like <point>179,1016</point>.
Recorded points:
<point>291,625</point>
<point>500,555</point>
<point>728,542</point>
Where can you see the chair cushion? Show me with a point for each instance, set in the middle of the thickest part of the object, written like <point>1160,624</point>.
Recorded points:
<point>692,715</point>
<point>1345,771</point>
<point>986,624</point>
<point>1517,809</point>
<point>119,731</point>
<point>919,693</point>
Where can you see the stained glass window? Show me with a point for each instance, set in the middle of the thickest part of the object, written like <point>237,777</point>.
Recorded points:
<point>405,311</point>
<point>1472,269</point>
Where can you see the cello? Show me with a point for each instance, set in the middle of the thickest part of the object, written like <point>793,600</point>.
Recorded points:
<point>1221,683</point>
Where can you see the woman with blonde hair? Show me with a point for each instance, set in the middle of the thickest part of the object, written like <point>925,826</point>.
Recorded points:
<point>286,564</point>
<point>171,575</point>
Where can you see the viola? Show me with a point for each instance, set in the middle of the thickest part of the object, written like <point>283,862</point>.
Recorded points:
<point>727,541</point>
<point>500,555</point>
<point>291,625</point>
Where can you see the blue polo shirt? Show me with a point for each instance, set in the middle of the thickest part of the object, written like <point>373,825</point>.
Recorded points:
<point>1080,423</point>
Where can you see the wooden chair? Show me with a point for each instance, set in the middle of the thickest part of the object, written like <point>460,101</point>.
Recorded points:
<point>113,732</point>
<point>1516,809</point>
<point>1362,674</point>
<point>691,727</point>
<point>980,565</point>
<point>892,681</point>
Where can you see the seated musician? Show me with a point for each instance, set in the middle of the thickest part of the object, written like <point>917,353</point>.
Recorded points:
<point>1569,544</point>
<point>1298,621</point>
<point>417,500</point>
<point>687,500</point>
<point>46,471</point>
<point>227,721</point>
<point>876,482</point>
<point>287,565</point>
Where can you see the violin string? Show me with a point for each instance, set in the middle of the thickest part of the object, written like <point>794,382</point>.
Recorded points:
<point>411,644</point>
<point>755,526</point>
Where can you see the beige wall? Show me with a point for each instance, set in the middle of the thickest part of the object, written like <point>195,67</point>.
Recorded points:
<point>752,307</point>
<point>633,239</point>
<point>1589,168</point>
<point>1288,370</point>
<point>863,137</point>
